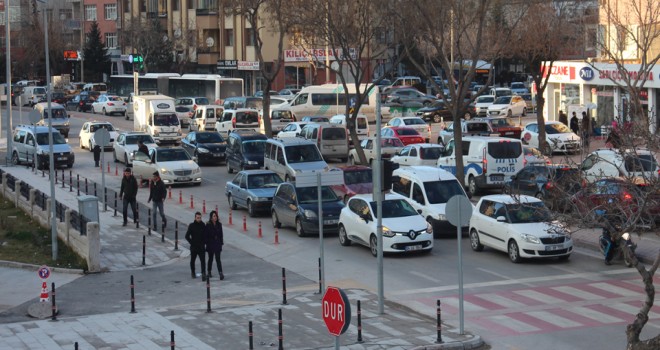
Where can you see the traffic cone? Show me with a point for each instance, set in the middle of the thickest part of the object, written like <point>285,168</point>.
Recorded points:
<point>244,224</point>
<point>277,237</point>
<point>45,296</point>
<point>230,221</point>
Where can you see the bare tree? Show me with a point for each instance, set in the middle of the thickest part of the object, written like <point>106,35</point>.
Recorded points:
<point>151,42</point>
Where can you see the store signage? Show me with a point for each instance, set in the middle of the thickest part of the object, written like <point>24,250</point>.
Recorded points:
<point>587,74</point>
<point>564,71</point>
<point>248,65</point>
<point>316,55</point>
<point>620,75</point>
<point>227,64</point>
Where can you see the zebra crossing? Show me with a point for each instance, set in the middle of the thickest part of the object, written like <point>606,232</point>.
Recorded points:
<point>552,308</point>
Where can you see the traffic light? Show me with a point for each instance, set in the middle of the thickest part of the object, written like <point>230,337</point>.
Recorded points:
<point>138,62</point>
<point>388,168</point>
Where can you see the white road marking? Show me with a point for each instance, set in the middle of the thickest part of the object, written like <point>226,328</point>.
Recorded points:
<point>501,300</point>
<point>553,319</point>
<point>595,315</point>
<point>513,324</point>
<point>538,296</point>
<point>578,293</point>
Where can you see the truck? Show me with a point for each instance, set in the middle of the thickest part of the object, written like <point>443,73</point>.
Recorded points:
<point>155,115</point>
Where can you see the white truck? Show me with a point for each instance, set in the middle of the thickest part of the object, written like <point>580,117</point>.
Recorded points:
<point>156,115</point>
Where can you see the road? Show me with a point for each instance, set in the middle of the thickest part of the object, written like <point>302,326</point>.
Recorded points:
<point>540,304</point>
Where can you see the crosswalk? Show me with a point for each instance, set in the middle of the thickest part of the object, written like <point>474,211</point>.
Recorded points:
<point>551,308</point>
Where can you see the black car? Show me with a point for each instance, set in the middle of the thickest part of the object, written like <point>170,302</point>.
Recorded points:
<point>58,97</point>
<point>245,150</point>
<point>207,146</point>
<point>553,183</point>
<point>80,103</point>
<point>298,207</point>
<point>438,112</point>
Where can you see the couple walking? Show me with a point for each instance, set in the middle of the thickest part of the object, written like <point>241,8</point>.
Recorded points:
<point>205,238</point>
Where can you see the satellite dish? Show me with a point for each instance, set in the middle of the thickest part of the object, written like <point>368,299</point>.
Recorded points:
<point>210,42</point>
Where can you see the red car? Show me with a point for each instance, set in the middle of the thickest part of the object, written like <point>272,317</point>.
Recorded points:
<point>408,136</point>
<point>357,180</point>
<point>504,126</point>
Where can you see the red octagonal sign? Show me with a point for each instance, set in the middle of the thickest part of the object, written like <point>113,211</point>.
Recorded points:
<point>336,310</point>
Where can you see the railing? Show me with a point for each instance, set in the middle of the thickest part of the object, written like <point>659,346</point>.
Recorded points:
<point>79,222</point>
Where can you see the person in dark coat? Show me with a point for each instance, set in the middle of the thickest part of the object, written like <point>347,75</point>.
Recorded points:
<point>128,194</point>
<point>157,194</point>
<point>195,237</point>
<point>586,129</point>
<point>575,124</point>
<point>214,243</point>
<point>143,148</point>
<point>97,155</point>
<point>563,118</point>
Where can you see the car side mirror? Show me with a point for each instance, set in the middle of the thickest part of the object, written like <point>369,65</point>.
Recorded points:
<point>419,211</point>
<point>501,219</point>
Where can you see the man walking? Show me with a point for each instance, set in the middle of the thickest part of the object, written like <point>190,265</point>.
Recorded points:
<point>157,194</point>
<point>128,194</point>
<point>195,237</point>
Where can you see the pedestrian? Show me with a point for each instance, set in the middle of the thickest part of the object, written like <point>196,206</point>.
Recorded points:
<point>195,237</point>
<point>97,155</point>
<point>575,124</point>
<point>157,194</point>
<point>563,118</point>
<point>586,129</point>
<point>143,148</point>
<point>214,243</point>
<point>128,194</point>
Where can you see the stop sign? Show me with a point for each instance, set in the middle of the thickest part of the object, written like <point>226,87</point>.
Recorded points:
<point>336,310</point>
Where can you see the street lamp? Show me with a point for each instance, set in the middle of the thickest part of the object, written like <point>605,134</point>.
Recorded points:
<point>7,124</point>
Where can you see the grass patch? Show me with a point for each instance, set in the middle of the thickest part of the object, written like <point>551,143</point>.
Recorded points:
<point>23,240</point>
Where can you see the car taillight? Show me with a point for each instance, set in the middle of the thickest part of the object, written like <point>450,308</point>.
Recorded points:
<point>627,196</point>
<point>484,162</point>
<point>233,122</point>
<point>549,186</point>
<point>110,104</point>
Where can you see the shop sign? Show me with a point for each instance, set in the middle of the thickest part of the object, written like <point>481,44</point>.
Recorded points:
<point>316,55</point>
<point>587,74</point>
<point>615,74</point>
<point>227,64</point>
<point>248,65</point>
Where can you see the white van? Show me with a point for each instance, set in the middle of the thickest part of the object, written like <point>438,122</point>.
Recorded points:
<point>292,156</point>
<point>428,190</point>
<point>241,118</point>
<point>488,162</point>
<point>204,117</point>
<point>331,139</point>
<point>32,95</point>
<point>361,125</point>
<point>60,119</point>
<point>330,99</point>
<point>279,118</point>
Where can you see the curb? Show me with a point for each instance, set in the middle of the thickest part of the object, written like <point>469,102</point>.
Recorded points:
<point>32,267</point>
<point>473,343</point>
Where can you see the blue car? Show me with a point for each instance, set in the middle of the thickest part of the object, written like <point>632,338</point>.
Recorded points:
<point>252,189</point>
<point>298,207</point>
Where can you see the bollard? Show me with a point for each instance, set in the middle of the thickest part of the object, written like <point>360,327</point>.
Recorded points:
<point>78,183</point>
<point>277,239</point>
<point>86,188</point>
<point>115,204</point>
<point>144,249</point>
<point>42,173</point>
<point>284,286</point>
<point>162,233</point>
<point>54,306</point>
<point>439,324</point>
<point>116,171</point>
<point>320,278</point>
<point>75,346</point>
<point>260,235</point>
<point>250,334</point>
<point>105,199</point>
<point>204,206</point>
<point>70,181</point>
<point>137,211</point>
<point>55,176</point>
<point>359,322</point>
<point>244,224</point>
<point>230,221</point>
<point>280,336</point>
<point>63,181</point>
<point>191,202</point>
<point>108,167</point>
<point>133,296</point>
<point>149,221</point>
<point>176,235</point>
<point>172,343</point>
<point>180,197</point>
<point>169,192</point>
<point>208,295</point>
<point>95,195</point>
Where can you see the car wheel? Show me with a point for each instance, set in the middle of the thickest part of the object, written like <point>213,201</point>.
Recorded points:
<point>475,243</point>
<point>276,221</point>
<point>472,186</point>
<point>373,245</point>
<point>232,204</point>
<point>251,211</point>
<point>14,158</point>
<point>437,118</point>
<point>80,143</point>
<point>509,114</point>
<point>126,159</point>
<point>539,195</point>
<point>104,111</point>
<point>114,156</point>
<point>343,237</point>
<point>300,231</point>
<point>524,112</point>
<point>514,252</point>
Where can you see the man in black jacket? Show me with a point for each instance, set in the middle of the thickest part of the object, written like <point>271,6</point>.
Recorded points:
<point>128,194</point>
<point>195,237</point>
<point>157,194</point>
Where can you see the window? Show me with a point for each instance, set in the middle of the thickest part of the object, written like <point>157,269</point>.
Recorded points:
<point>249,37</point>
<point>90,13</point>
<point>66,14</point>
<point>229,37</point>
<point>110,39</point>
<point>110,11</point>
<point>176,5</point>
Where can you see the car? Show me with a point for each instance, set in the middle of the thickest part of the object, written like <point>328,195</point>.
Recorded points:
<point>500,91</point>
<point>261,93</point>
<point>521,226</point>
<point>291,130</point>
<point>409,95</point>
<point>418,154</point>
<point>127,142</point>
<point>416,123</point>
<point>245,150</point>
<point>191,102</point>
<point>552,183</point>
<point>80,103</point>
<point>30,145</point>
<point>86,136</point>
<point>381,83</point>
<point>235,119</point>
<point>437,112</point>
<point>315,119</point>
<point>633,163</point>
<point>59,119</point>
<point>205,146</point>
<point>404,229</point>
<point>31,95</point>
<point>510,106</point>
<point>58,97</point>
<point>288,94</point>
<point>361,125</point>
<point>558,136</point>
<point>298,207</point>
<point>184,114</point>
<point>530,101</point>
<point>279,118</point>
<point>357,180</point>
<point>482,103</point>
<point>475,127</point>
<point>534,157</point>
<point>408,136</point>
<point>253,190</point>
<point>388,148</point>
<point>476,88</point>
<point>109,104</point>
<point>174,165</point>
<point>504,126</point>
<point>518,88</point>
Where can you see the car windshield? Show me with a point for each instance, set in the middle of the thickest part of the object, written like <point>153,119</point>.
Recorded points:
<point>391,142</point>
<point>40,91</point>
<point>133,139</point>
<point>558,128</point>
<point>171,155</point>
<point>254,103</point>
<point>114,98</point>
<point>504,100</point>
<point>264,180</point>
<point>93,128</point>
<point>58,113</point>
<point>439,192</point>
<point>407,132</point>
<point>430,152</point>
<point>642,162</point>
<point>517,85</point>
<point>308,195</point>
<point>58,139</point>
<point>414,121</point>
<point>250,117</point>
<point>395,208</point>
<point>184,102</point>
<point>303,154</point>
<point>520,213</point>
<point>202,101</point>
<point>166,120</point>
<point>502,122</point>
<point>209,137</point>
<point>486,99</point>
<point>253,146</point>
<point>357,177</point>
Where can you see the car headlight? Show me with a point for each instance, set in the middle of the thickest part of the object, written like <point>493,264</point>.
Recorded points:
<point>197,170</point>
<point>429,227</point>
<point>309,214</point>
<point>387,232</point>
<point>252,162</point>
<point>202,150</point>
<point>530,238</point>
<point>165,171</point>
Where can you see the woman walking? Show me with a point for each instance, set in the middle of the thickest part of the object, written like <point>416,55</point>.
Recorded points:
<point>214,243</point>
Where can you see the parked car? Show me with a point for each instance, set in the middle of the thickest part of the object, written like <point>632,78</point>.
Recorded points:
<point>521,226</point>
<point>510,106</point>
<point>530,101</point>
<point>519,88</point>
<point>291,130</point>
<point>553,183</point>
<point>185,114</point>
<point>127,142</point>
<point>186,106</point>
<point>173,164</point>
<point>331,139</point>
<point>469,128</point>
<point>534,157</point>
<point>30,145</point>
<point>59,119</point>
<point>253,190</point>
<point>409,95</point>
<point>205,146</point>
<point>279,118</point>
<point>261,93</point>
<point>298,207</point>
<point>404,229</point>
<point>59,97</point>
<point>418,154</point>
<point>504,127</point>
<point>234,119</point>
<point>437,112</point>
<point>558,136</point>
<point>357,180</point>
<point>389,147</point>
<point>288,94</point>
<point>482,103</point>
<point>407,135</point>
<point>638,163</point>
<point>315,119</point>
<point>245,150</point>
<point>416,123</point>
<point>86,136</point>
<point>109,104</point>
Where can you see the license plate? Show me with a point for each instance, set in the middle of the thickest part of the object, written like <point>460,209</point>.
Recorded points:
<point>554,247</point>
<point>413,247</point>
<point>497,178</point>
<point>61,158</point>
<point>508,133</point>
<point>330,222</point>
<point>217,154</point>
<point>182,178</point>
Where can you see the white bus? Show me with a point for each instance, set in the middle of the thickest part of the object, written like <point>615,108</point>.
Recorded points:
<point>331,99</point>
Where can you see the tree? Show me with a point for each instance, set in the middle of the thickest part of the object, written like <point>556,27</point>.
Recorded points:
<point>151,42</point>
<point>95,55</point>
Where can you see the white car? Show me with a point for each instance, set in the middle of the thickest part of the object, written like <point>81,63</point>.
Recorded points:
<point>127,143</point>
<point>609,163</point>
<point>86,136</point>
<point>404,230</point>
<point>559,137</point>
<point>416,123</point>
<point>521,226</point>
<point>173,163</point>
<point>389,146</point>
<point>419,154</point>
<point>510,106</point>
<point>482,103</point>
<point>109,104</point>
<point>291,130</point>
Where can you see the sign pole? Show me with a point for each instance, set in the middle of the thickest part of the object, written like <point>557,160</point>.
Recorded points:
<point>337,343</point>
<point>459,210</point>
<point>378,198</point>
<point>320,215</point>
<point>460,271</point>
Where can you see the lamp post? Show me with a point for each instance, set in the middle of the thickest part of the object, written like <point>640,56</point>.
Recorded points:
<point>7,124</point>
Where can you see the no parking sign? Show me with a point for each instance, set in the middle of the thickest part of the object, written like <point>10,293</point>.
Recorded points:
<point>44,273</point>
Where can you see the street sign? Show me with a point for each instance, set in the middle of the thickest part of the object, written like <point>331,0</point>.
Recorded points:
<point>102,137</point>
<point>336,311</point>
<point>459,211</point>
<point>44,272</point>
<point>331,177</point>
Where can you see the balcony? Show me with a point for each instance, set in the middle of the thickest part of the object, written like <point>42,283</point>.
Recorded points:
<point>207,57</point>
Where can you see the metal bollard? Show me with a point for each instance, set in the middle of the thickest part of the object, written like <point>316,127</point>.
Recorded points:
<point>133,295</point>
<point>284,286</point>
<point>191,202</point>
<point>176,235</point>
<point>78,183</point>
<point>63,181</point>
<point>250,335</point>
<point>244,223</point>
<point>260,235</point>
<point>70,181</point>
<point>208,295</point>
<point>144,249</point>
<point>359,322</point>
<point>105,199</point>
<point>180,197</point>
<point>172,343</point>
<point>115,214</point>
<point>320,278</point>
<point>162,233</point>
<point>54,306</point>
<point>280,336</point>
<point>439,324</point>
<point>86,188</point>
<point>75,346</point>
<point>95,195</point>
<point>55,176</point>
<point>149,220</point>
<point>204,206</point>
